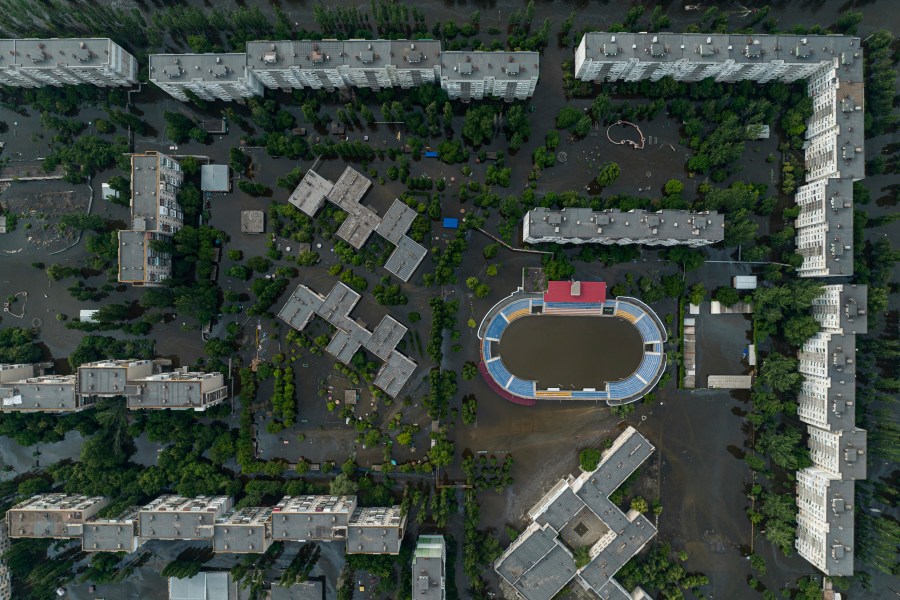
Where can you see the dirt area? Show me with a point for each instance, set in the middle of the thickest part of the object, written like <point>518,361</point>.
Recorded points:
<point>39,205</point>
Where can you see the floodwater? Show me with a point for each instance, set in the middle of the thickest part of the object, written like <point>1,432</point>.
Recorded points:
<point>571,352</point>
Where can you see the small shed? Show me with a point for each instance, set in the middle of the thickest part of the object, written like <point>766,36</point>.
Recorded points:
<point>87,316</point>
<point>107,193</point>
<point>253,221</point>
<point>351,397</point>
<point>215,178</point>
<point>451,223</point>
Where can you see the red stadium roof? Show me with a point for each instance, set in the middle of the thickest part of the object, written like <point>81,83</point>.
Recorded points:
<point>593,292</point>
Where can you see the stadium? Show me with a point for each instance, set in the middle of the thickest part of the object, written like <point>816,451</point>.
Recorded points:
<point>571,343</point>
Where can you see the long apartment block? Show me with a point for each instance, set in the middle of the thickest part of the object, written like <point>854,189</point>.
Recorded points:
<point>832,66</point>
<point>155,215</point>
<point>34,63</point>
<point>250,530</point>
<point>613,227</point>
<point>134,380</point>
<point>825,528</point>
<point>341,64</point>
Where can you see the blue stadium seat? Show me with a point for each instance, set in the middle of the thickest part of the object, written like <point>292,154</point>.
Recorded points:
<point>517,305</point>
<point>521,387</point>
<point>586,395</point>
<point>649,366</point>
<point>486,349</point>
<point>649,330</point>
<point>498,372</point>
<point>630,309</point>
<point>496,327</point>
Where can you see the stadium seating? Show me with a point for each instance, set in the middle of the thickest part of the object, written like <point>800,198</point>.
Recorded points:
<point>626,388</point>
<point>592,395</point>
<point>519,313</point>
<point>515,307</point>
<point>521,387</point>
<point>498,372</point>
<point>624,308</point>
<point>649,331</point>
<point>486,349</point>
<point>496,327</point>
<point>649,366</point>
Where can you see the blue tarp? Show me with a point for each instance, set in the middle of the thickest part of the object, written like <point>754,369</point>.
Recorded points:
<point>451,223</point>
<point>431,154</point>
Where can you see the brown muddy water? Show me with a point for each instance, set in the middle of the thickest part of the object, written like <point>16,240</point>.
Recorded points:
<point>571,352</point>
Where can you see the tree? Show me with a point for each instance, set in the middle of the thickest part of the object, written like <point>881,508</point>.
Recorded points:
<point>178,126</point>
<point>82,221</point>
<point>800,328</point>
<point>589,459</point>
<point>582,556</point>
<point>727,295</point>
<point>697,294</point>
<point>469,371</point>
<point>690,258</point>
<point>342,485</point>
<point>608,174</point>
<point>639,504</point>
<point>780,373</point>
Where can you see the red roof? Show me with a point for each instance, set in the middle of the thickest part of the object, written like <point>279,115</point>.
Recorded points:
<point>593,292</point>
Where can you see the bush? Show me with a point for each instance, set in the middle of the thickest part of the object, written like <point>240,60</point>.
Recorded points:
<point>589,459</point>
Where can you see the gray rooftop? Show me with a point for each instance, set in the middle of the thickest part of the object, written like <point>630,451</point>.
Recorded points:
<point>215,178</point>
<point>405,258</point>
<point>538,564</point>
<point>345,344</point>
<point>112,377</point>
<point>428,568</point>
<point>182,68</point>
<point>385,337</point>
<point>311,193</point>
<point>854,303</point>
<point>394,374</point>
<point>132,251</point>
<point>181,518</point>
<point>307,590</point>
<point>52,515</point>
<point>243,531</point>
<point>847,448</point>
<point>837,244</point>
<point>839,537</point>
<point>202,586</point>
<point>469,65</point>
<point>312,517</point>
<point>839,356</point>
<point>47,393</point>
<point>396,221</point>
<point>50,53</point>
<point>145,191</point>
<point>375,530</point>
<point>179,389</point>
<point>111,535</point>
<point>334,54</point>
<point>253,221</point>
<point>300,307</point>
<point>586,224</point>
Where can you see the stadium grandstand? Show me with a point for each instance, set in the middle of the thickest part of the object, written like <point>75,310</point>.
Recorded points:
<point>572,298</point>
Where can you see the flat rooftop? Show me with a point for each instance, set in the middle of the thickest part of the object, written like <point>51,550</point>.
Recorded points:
<point>469,65</point>
<point>334,54</point>
<point>132,252</point>
<point>145,192</point>
<point>50,53</point>
<point>586,224</point>
<point>183,68</point>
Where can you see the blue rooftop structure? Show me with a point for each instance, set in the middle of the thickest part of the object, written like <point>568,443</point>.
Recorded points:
<point>451,223</point>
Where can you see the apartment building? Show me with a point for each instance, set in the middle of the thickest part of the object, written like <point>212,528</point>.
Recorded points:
<point>120,534</point>
<point>216,76</point>
<point>179,518</point>
<point>825,528</point>
<point>47,393</point>
<point>376,530</point>
<point>470,76</point>
<point>180,389</point>
<point>429,568</point>
<point>312,518</point>
<point>840,453</point>
<point>155,215</point>
<point>5,576</point>
<point>842,309</point>
<point>334,64</point>
<point>108,378</point>
<point>66,61</point>
<point>613,227</point>
<point>832,67</point>
<point>246,531</point>
<point>52,515</point>
<point>10,373</point>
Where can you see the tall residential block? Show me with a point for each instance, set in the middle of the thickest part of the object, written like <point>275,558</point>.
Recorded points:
<point>832,66</point>
<point>221,76</point>
<point>312,518</point>
<point>181,518</point>
<point>476,75</point>
<point>66,61</point>
<point>825,528</point>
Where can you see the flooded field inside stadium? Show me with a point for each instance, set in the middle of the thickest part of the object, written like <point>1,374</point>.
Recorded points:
<point>571,352</point>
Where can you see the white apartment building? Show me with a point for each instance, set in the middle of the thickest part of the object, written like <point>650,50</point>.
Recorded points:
<point>246,531</point>
<point>613,227</point>
<point>46,394</point>
<point>52,515</point>
<point>119,534</point>
<point>825,528</point>
<point>475,75</point>
<point>109,378</point>
<point>222,76</point>
<point>66,61</point>
<point>155,215</point>
<point>334,64</point>
<point>429,568</point>
<point>181,389</point>
<point>180,518</point>
<point>840,453</point>
<point>5,577</point>
<point>826,354</point>
<point>842,309</point>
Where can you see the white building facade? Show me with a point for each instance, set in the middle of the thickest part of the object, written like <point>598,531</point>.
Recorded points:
<point>66,61</point>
